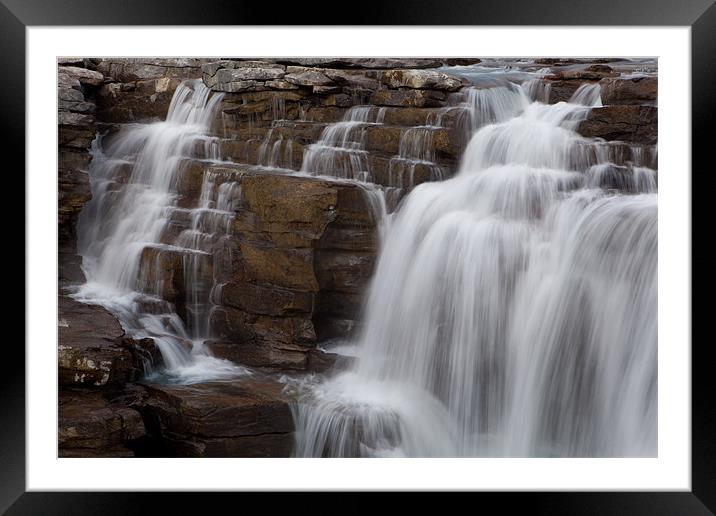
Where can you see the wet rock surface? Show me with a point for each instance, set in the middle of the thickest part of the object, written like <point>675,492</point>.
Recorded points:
<point>242,418</point>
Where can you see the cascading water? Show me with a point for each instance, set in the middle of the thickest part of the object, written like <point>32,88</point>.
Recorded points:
<point>513,309</point>
<point>125,233</point>
<point>341,150</point>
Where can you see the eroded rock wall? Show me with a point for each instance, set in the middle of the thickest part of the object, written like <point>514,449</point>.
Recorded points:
<point>77,85</point>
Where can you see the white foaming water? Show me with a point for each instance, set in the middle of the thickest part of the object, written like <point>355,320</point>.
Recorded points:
<point>122,233</point>
<point>341,150</point>
<point>513,309</point>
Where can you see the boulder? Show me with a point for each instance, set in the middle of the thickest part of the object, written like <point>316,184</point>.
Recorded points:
<point>243,418</point>
<point>634,90</point>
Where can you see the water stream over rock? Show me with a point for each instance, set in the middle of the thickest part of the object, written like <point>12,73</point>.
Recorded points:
<point>124,235</point>
<point>513,310</point>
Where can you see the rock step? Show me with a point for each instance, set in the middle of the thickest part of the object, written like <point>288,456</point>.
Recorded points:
<point>243,418</point>
<point>311,123</point>
<point>627,123</point>
<point>93,351</point>
<point>448,139</point>
<point>163,271</point>
<point>385,170</point>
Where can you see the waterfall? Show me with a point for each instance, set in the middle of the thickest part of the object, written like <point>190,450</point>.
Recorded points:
<point>126,233</point>
<point>341,150</point>
<point>513,311</point>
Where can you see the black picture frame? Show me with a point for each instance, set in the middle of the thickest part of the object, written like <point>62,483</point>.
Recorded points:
<point>700,15</point>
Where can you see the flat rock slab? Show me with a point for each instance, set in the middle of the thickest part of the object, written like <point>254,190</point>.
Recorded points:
<point>243,418</point>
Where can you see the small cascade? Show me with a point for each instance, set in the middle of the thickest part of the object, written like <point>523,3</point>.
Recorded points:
<point>627,179</point>
<point>588,95</point>
<point>513,309</point>
<point>340,152</point>
<point>538,90</point>
<point>127,234</point>
<point>276,153</point>
<point>493,105</point>
<point>416,150</point>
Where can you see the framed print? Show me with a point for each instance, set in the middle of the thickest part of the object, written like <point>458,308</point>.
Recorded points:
<point>431,255</point>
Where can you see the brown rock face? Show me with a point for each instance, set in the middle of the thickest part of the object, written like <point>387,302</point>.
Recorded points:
<point>76,88</point>
<point>91,426</point>
<point>637,124</point>
<point>637,90</point>
<point>244,418</point>
<point>562,91</point>
<point>140,89</point>
<point>285,231</point>
<point>409,98</point>
<point>93,351</point>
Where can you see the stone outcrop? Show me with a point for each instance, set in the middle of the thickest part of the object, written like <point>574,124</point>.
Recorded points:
<point>93,350</point>
<point>293,239</point>
<point>634,90</point>
<point>140,89</point>
<point>396,87</point>
<point>95,361</point>
<point>76,89</point>
<point>243,418</point>
<point>629,123</point>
